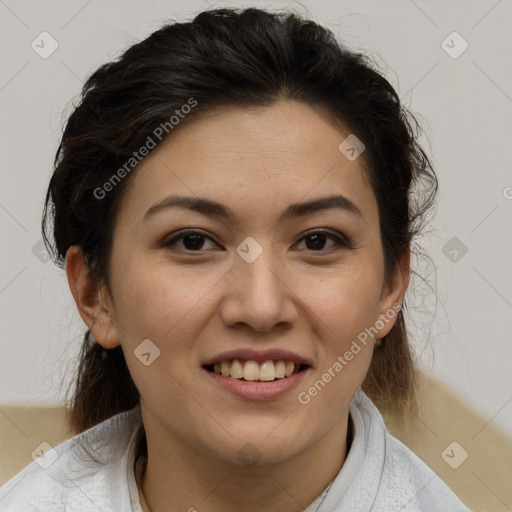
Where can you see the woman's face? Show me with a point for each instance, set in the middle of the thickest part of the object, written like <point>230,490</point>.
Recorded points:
<point>257,279</point>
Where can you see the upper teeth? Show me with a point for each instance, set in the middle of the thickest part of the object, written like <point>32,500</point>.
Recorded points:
<point>252,370</point>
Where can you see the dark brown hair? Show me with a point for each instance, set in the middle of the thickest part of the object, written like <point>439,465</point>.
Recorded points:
<point>245,58</point>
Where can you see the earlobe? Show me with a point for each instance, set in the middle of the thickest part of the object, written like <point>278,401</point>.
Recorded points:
<point>91,299</point>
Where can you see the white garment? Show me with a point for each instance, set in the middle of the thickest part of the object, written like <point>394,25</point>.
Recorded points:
<point>380,474</point>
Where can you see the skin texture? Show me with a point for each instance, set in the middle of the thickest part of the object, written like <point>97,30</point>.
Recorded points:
<point>193,304</point>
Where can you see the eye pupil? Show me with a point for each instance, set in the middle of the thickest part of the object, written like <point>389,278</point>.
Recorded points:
<point>316,237</point>
<point>198,241</point>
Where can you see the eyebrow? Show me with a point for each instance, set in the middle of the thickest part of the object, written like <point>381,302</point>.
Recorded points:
<point>213,208</point>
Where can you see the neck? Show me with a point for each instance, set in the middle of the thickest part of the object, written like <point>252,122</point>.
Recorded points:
<point>192,483</point>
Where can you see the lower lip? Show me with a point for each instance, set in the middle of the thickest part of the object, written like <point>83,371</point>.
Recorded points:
<point>258,390</point>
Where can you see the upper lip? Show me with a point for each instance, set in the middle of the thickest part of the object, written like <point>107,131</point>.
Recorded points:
<point>259,356</point>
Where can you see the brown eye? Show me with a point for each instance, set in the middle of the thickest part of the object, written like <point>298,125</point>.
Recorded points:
<point>192,241</point>
<point>316,241</point>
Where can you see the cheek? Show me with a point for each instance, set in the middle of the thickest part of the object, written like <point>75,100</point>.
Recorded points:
<point>168,309</point>
<point>156,300</point>
<point>345,303</point>
<point>345,308</point>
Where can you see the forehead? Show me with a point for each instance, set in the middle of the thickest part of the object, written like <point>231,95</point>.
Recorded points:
<point>255,160</point>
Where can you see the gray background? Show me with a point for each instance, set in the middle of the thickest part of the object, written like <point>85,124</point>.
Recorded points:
<point>463,102</point>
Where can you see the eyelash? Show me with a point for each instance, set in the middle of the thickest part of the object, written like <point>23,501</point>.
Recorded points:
<point>341,243</point>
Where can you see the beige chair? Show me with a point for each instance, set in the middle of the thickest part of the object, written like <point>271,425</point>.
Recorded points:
<point>467,451</point>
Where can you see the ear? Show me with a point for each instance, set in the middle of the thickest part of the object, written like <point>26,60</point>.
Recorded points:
<point>92,300</point>
<point>392,297</point>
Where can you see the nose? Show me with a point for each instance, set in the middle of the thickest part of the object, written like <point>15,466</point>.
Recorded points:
<point>259,294</point>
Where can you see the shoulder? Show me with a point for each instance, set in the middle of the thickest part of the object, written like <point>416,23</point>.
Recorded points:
<point>406,476</point>
<point>83,473</point>
<point>405,479</point>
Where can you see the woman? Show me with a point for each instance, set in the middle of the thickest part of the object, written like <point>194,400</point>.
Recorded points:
<point>233,203</point>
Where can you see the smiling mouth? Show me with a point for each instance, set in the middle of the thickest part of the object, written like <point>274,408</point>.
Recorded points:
<point>266,371</point>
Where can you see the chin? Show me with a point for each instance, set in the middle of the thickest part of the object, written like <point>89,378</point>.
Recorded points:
<point>251,450</point>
